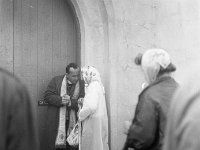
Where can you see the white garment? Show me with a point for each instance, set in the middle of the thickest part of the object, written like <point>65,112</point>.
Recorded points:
<point>90,74</point>
<point>94,118</point>
<point>152,60</point>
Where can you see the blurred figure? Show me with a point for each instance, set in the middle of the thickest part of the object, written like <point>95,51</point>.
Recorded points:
<point>146,131</point>
<point>94,113</point>
<point>62,95</point>
<point>183,127</point>
<point>17,122</point>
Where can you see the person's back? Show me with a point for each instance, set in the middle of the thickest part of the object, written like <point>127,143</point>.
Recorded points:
<point>17,122</point>
<point>147,129</point>
<point>161,93</point>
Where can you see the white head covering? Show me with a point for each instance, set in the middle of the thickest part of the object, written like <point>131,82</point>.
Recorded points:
<point>152,59</point>
<point>92,74</point>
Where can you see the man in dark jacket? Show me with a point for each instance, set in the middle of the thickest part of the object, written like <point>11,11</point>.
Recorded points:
<point>17,121</point>
<point>62,96</point>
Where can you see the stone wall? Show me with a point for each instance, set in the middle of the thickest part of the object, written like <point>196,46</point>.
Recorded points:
<point>114,31</point>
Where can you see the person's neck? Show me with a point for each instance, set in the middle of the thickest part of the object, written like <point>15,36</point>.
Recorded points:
<point>164,75</point>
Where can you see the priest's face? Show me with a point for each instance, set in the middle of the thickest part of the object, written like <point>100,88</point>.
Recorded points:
<point>73,75</point>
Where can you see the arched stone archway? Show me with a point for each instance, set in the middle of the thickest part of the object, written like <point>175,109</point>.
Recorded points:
<point>95,34</point>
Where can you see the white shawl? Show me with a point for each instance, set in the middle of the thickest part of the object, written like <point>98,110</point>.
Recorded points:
<point>61,135</point>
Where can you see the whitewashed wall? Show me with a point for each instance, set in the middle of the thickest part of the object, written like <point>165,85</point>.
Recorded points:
<point>173,25</point>
<point>114,31</point>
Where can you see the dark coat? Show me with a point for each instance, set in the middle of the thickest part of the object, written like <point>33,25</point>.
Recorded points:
<point>18,129</point>
<point>147,129</point>
<point>53,98</point>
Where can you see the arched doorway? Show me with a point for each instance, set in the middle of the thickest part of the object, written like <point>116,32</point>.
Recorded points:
<point>33,42</point>
<point>45,39</point>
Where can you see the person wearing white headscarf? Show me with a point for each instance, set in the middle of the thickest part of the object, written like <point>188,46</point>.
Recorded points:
<point>94,112</point>
<point>183,126</point>
<point>146,131</point>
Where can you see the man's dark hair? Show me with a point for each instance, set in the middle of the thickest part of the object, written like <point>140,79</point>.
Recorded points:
<point>170,68</point>
<point>71,65</point>
<point>138,59</point>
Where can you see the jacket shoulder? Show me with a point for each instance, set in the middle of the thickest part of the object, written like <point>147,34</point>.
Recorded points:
<point>159,90</point>
<point>57,78</point>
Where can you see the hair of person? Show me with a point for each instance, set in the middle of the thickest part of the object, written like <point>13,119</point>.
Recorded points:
<point>71,65</point>
<point>170,68</point>
<point>138,59</point>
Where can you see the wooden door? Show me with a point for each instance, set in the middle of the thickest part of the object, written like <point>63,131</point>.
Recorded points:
<point>38,39</point>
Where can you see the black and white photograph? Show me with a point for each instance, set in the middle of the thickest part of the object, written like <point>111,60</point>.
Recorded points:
<point>99,74</point>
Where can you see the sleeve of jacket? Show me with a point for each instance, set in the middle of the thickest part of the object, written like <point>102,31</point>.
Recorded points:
<point>142,131</point>
<point>51,95</point>
<point>90,101</point>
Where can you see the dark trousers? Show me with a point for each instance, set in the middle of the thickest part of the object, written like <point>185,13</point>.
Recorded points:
<point>68,147</point>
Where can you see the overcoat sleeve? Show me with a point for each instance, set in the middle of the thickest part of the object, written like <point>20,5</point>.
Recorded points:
<point>52,95</point>
<point>142,131</point>
<point>90,101</point>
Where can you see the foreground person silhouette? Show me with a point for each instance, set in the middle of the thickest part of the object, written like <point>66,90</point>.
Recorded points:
<point>17,120</point>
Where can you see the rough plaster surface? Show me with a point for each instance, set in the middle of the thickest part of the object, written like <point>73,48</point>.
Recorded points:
<point>114,31</point>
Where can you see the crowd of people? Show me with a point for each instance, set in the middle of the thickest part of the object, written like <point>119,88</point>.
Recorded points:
<point>166,116</point>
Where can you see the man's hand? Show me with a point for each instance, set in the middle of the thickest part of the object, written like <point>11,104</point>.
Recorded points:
<point>80,102</point>
<point>66,100</point>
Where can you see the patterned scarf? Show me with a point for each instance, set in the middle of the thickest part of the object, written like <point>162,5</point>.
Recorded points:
<point>61,135</point>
